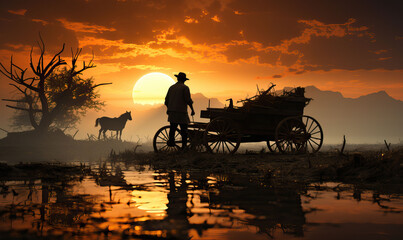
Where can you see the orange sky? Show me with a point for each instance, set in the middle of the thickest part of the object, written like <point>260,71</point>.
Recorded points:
<point>225,47</point>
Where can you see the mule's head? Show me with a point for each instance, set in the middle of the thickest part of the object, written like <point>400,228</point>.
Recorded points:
<point>128,115</point>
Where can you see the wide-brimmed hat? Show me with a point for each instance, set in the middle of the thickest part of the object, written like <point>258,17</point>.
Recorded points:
<point>181,75</point>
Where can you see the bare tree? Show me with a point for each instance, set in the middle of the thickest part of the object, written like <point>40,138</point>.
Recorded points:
<point>41,105</point>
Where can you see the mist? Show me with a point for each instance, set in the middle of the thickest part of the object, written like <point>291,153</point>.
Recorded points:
<point>369,119</point>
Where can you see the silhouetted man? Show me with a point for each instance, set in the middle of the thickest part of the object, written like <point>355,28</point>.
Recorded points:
<point>177,100</point>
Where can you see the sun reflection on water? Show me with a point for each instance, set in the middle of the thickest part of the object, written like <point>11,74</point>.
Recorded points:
<point>151,202</point>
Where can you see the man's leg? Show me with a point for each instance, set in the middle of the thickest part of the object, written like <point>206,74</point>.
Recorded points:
<point>184,133</point>
<point>172,130</point>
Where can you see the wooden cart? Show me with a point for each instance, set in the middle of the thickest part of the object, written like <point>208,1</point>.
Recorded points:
<point>279,122</point>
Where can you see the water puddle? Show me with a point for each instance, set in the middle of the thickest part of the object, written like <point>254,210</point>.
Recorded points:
<point>127,201</point>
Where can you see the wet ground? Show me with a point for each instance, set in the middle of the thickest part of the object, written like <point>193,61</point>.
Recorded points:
<point>129,200</point>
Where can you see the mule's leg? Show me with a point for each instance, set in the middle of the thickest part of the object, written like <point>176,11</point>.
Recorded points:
<point>99,135</point>
<point>117,135</point>
<point>120,136</point>
<point>104,133</point>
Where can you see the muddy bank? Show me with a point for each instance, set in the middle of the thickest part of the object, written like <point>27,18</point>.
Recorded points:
<point>34,171</point>
<point>60,151</point>
<point>370,167</point>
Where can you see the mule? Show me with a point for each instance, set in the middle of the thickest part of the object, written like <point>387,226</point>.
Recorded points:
<point>113,124</point>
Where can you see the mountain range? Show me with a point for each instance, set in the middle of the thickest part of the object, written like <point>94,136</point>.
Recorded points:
<point>371,118</point>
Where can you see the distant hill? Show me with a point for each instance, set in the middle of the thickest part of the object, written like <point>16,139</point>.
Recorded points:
<point>367,119</point>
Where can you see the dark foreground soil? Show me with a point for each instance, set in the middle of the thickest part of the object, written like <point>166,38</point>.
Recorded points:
<point>367,168</point>
<point>56,150</point>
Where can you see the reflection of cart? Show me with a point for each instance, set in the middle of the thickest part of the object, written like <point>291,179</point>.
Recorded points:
<point>277,120</point>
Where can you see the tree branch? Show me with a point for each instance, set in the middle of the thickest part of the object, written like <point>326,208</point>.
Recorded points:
<point>19,89</point>
<point>101,84</point>
<point>75,56</point>
<point>31,110</point>
<point>23,109</point>
<point>35,89</point>
<point>44,71</point>
<point>14,100</point>
<point>31,63</point>
<point>42,47</point>
<point>53,63</point>
<point>15,77</point>
<point>342,147</point>
<point>387,145</point>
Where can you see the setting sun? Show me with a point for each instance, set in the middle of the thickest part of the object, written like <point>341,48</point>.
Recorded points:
<point>151,88</point>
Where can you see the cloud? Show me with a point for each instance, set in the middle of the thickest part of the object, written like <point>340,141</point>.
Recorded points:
<point>288,59</point>
<point>269,57</point>
<point>24,30</point>
<point>84,28</point>
<point>148,67</point>
<point>43,22</point>
<point>215,18</point>
<point>20,12</point>
<point>293,35</point>
<point>349,53</point>
<point>237,52</point>
<point>190,20</point>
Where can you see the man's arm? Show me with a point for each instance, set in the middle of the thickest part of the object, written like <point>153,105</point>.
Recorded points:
<point>191,107</point>
<point>189,100</point>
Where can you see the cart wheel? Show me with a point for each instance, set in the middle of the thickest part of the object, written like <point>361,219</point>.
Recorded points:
<point>160,141</point>
<point>272,145</point>
<point>290,135</point>
<point>314,134</point>
<point>222,136</point>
